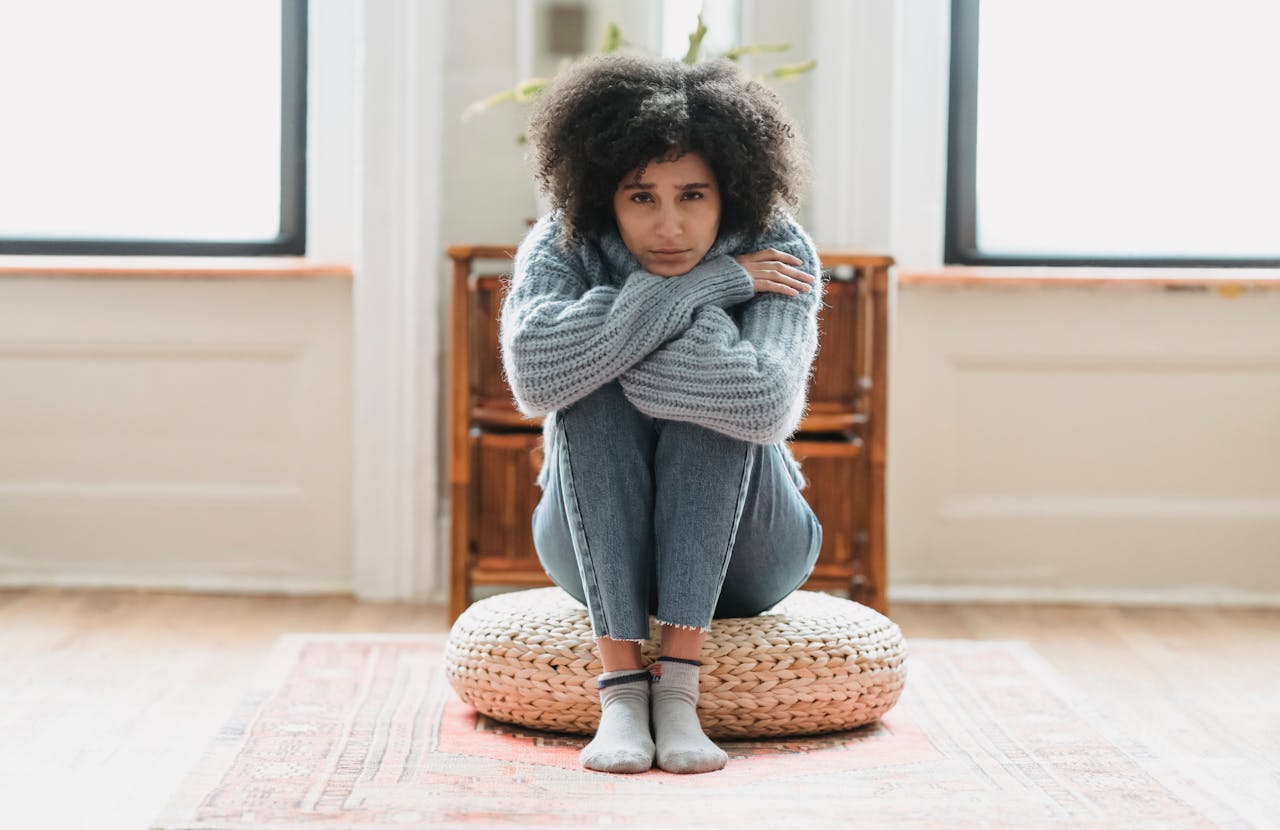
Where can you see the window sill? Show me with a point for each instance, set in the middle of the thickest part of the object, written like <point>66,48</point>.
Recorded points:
<point>172,267</point>
<point>1191,279</point>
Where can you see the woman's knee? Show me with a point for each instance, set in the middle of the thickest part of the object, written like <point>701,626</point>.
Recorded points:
<point>606,408</point>
<point>688,433</point>
<point>605,446</point>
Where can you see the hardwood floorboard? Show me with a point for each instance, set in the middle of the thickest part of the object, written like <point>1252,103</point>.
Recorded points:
<point>108,697</point>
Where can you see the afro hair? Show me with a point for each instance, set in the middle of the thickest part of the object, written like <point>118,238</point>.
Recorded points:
<point>606,115</point>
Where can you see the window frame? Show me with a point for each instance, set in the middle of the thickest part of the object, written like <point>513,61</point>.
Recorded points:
<point>959,247</point>
<point>292,238</point>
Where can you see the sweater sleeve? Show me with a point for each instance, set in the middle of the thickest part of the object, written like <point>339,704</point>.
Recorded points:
<point>562,337</point>
<point>749,381</point>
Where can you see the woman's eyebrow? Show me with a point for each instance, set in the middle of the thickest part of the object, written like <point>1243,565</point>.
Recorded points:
<point>650,186</point>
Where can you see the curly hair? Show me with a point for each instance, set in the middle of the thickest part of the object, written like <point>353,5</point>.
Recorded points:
<point>605,115</point>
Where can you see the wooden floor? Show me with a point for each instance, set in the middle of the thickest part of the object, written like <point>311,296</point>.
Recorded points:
<point>108,697</point>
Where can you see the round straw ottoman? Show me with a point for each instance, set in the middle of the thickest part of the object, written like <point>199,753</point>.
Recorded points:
<point>813,663</point>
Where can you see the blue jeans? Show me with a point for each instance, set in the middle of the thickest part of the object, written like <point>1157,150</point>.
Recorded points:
<point>648,516</point>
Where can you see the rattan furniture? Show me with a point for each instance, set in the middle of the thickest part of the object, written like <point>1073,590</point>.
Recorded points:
<point>812,664</point>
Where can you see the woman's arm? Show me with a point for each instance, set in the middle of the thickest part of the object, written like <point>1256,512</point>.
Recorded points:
<point>562,339</point>
<point>749,383</point>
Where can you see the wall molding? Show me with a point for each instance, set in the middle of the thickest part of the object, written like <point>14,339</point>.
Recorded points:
<point>966,594</point>
<point>87,578</point>
<point>831,138</point>
<point>396,289</point>
<point>852,129</point>
<point>1085,507</point>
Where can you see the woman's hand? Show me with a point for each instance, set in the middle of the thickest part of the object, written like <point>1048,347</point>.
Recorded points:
<point>773,270</point>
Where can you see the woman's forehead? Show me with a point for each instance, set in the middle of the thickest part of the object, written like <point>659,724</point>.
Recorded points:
<point>689,169</point>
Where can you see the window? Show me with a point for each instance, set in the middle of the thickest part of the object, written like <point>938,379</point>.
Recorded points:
<point>153,127</point>
<point>1113,132</point>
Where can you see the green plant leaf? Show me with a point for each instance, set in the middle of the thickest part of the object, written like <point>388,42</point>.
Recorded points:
<point>612,39</point>
<point>483,104</point>
<point>791,70</point>
<point>739,51</point>
<point>528,88</point>
<point>695,42</point>
<point>521,93</point>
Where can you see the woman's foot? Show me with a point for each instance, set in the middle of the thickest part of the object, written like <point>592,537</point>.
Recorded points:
<point>681,746</point>
<point>622,742</point>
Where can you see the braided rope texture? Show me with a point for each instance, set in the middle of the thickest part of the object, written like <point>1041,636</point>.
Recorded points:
<point>814,663</point>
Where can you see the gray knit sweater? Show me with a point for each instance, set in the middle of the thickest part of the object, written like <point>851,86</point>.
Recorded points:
<point>702,347</point>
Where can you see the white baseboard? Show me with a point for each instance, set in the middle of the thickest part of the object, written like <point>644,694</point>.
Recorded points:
<point>939,594</point>
<point>196,584</point>
<point>1191,596</point>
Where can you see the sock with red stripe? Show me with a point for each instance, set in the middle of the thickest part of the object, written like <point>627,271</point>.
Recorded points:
<point>681,744</point>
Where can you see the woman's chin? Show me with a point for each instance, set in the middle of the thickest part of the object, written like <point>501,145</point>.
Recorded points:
<point>668,270</point>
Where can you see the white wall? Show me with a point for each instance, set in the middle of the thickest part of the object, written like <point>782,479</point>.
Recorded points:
<point>1061,443</point>
<point>192,433</point>
<point>1105,443</point>
<point>180,433</point>
<point>1077,443</point>
<point>1117,444</point>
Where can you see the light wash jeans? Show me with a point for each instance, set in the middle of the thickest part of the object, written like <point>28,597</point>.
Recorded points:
<point>648,516</point>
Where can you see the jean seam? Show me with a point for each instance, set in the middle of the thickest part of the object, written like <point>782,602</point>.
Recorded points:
<point>733,532</point>
<point>743,486</point>
<point>577,517</point>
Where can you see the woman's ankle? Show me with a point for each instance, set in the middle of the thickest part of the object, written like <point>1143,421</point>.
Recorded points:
<point>619,655</point>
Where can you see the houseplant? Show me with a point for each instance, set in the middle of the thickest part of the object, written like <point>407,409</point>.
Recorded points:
<point>526,90</point>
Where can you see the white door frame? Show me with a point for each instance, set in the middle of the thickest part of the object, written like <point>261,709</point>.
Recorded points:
<point>397,287</point>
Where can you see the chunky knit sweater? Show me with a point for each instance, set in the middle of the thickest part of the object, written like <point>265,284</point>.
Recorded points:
<point>702,347</point>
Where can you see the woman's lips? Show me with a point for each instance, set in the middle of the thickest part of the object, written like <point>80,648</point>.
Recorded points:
<point>671,253</point>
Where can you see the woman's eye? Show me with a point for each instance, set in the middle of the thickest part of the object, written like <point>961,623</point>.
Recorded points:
<point>648,197</point>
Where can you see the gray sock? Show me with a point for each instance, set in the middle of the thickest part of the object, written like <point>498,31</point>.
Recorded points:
<point>682,746</point>
<point>622,742</point>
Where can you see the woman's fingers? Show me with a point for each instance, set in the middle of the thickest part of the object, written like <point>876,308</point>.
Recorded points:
<point>770,281</point>
<point>781,261</point>
<point>796,275</point>
<point>775,254</point>
<point>784,275</point>
<point>772,270</point>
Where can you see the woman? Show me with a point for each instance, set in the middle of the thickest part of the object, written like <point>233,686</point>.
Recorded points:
<point>662,318</point>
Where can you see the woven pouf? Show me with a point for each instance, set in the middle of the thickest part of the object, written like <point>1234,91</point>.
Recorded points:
<point>813,663</point>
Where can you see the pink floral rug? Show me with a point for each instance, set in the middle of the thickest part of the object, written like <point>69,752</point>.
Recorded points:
<point>363,731</point>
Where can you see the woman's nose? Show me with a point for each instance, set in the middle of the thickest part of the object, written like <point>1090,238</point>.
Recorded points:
<point>670,223</point>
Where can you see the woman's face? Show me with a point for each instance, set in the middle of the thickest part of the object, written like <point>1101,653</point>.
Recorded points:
<point>669,218</point>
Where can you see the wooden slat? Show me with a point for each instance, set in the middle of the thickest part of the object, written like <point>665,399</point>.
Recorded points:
<point>459,445</point>
<point>481,251</point>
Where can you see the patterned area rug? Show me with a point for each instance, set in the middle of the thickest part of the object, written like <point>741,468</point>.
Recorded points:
<point>364,731</point>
